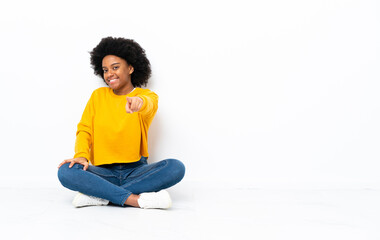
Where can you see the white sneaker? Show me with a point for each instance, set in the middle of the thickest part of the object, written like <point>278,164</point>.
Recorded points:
<point>82,200</point>
<point>159,199</point>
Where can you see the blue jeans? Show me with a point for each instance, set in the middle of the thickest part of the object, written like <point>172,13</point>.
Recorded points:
<point>116,182</point>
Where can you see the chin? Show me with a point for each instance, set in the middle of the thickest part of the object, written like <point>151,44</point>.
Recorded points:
<point>113,87</point>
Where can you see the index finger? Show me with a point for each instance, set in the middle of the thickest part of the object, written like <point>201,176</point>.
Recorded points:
<point>127,108</point>
<point>64,161</point>
<point>85,166</point>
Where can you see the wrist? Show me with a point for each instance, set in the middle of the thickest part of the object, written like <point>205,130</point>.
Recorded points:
<point>83,158</point>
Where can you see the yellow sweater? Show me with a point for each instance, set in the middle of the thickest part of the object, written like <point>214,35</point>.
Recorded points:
<point>108,134</point>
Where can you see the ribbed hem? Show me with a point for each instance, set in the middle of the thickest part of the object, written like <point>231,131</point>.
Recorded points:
<point>125,199</point>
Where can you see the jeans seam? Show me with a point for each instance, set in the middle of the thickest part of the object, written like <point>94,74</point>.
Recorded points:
<point>139,180</point>
<point>100,174</point>
<point>119,177</point>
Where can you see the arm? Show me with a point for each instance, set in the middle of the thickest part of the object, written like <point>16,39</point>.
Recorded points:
<point>146,104</point>
<point>150,104</point>
<point>83,140</point>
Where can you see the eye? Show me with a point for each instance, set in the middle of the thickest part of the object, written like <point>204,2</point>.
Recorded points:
<point>104,70</point>
<point>116,67</point>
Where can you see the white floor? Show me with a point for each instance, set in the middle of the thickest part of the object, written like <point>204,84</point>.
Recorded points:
<point>198,212</point>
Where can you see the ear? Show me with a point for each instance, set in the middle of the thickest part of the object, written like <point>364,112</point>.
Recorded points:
<point>131,69</point>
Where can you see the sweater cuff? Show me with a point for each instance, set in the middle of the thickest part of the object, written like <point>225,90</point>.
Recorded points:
<point>143,107</point>
<point>84,155</point>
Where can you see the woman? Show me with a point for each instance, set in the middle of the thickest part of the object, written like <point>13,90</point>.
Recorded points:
<point>112,135</point>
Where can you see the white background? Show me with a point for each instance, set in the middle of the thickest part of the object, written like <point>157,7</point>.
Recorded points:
<point>252,93</point>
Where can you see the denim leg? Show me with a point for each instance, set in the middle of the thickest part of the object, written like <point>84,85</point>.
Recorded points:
<point>154,177</point>
<point>96,181</point>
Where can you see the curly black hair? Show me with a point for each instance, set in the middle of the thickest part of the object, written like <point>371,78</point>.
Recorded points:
<point>127,49</point>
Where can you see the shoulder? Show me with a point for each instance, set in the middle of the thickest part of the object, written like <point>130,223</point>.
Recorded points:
<point>100,91</point>
<point>144,91</point>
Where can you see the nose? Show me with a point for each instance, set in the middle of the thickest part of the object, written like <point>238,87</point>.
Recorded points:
<point>108,74</point>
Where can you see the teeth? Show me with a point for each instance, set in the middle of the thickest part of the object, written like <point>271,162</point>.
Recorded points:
<point>113,80</point>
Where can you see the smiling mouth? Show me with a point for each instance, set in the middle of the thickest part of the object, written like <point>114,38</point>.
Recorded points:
<point>113,80</point>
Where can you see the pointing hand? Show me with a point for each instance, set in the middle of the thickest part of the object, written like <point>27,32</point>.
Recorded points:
<point>134,104</point>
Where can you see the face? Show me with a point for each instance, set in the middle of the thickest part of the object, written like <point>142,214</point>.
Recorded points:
<point>117,73</point>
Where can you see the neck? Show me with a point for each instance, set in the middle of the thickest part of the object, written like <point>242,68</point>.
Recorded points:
<point>127,89</point>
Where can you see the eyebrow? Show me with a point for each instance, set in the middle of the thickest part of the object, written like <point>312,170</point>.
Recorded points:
<point>111,64</point>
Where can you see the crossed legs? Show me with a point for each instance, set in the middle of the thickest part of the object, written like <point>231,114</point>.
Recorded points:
<point>104,183</point>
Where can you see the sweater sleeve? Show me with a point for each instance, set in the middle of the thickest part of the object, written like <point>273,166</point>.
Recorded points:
<point>150,105</point>
<point>83,135</point>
